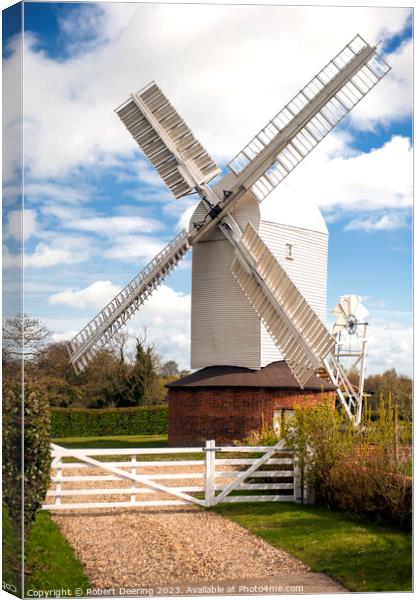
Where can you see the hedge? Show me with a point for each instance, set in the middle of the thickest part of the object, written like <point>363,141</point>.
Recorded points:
<point>37,459</point>
<point>142,420</point>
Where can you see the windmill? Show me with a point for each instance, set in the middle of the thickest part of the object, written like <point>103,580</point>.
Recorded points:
<point>185,166</point>
<point>350,333</point>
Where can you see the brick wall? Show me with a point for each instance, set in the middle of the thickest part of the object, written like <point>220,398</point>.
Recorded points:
<point>227,414</point>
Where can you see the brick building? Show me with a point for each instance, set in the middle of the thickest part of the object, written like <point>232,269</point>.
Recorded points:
<point>227,403</point>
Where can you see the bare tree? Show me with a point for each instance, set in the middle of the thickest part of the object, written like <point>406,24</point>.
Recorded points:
<point>117,345</point>
<point>24,336</point>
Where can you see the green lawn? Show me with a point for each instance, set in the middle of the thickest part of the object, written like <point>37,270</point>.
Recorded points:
<point>113,441</point>
<point>136,441</point>
<point>125,441</point>
<point>11,553</point>
<point>50,562</point>
<point>364,557</point>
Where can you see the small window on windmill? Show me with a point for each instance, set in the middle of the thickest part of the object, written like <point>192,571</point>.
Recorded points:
<point>288,252</point>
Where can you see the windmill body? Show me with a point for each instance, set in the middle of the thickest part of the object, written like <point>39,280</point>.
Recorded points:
<point>256,271</point>
<point>225,330</point>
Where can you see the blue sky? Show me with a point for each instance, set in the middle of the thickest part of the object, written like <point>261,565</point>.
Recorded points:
<point>95,210</point>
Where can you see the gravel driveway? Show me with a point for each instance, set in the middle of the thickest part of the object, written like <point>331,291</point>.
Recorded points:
<point>136,547</point>
<point>151,546</point>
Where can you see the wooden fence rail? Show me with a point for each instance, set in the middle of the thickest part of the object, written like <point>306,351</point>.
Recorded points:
<point>119,478</point>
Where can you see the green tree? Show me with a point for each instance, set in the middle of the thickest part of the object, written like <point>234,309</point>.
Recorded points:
<point>169,369</point>
<point>143,374</point>
<point>390,383</point>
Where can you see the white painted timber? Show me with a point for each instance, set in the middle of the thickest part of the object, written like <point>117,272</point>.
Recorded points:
<point>293,133</point>
<point>136,483</point>
<point>167,141</point>
<point>298,332</point>
<point>308,266</point>
<point>225,330</point>
<point>263,498</point>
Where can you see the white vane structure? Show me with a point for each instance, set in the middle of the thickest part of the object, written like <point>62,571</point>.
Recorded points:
<point>262,285</point>
<point>350,333</point>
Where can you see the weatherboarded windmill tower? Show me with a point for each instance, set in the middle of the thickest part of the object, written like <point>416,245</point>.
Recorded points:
<point>259,337</point>
<point>242,374</point>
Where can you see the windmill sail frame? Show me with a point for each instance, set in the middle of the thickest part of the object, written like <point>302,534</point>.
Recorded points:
<point>309,116</point>
<point>166,140</point>
<point>303,132</point>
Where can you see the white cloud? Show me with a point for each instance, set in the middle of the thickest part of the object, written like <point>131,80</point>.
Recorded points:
<point>45,255</point>
<point>166,317</point>
<point>390,346</point>
<point>64,337</point>
<point>10,260</point>
<point>205,70</point>
<point>185,218</point>
<point>116,225</point>
<point>40,192</point>
<point>341,180</point>
<point>385,222</point>
<point>21,224</point>
<point>58,249</point>
<point>133,248</point>
<point>96,296</point>
<point>226,86</point>
<point>393,97</point>
<point>366,181</point>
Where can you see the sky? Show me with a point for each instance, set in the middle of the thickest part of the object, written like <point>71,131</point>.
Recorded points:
<point>95,210</point>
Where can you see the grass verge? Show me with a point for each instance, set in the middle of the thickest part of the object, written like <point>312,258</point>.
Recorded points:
<point>136,441</point>
<point>50,559</point>
<point>10,556</point>
<point>364,557</point>
<point>113,441</point>
<point>50,563</point>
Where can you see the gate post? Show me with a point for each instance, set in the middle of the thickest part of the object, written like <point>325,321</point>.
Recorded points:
<point>298,488</point>
<point>297,482</point>
<point>209,472</point>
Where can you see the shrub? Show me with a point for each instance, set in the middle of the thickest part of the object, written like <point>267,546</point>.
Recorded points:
<point>357,470</point>
<point>265,436</point>
<point>143,420</point>
<point>37,460</point>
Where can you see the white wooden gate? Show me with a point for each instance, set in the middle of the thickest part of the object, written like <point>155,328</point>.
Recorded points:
<point>206,476</point>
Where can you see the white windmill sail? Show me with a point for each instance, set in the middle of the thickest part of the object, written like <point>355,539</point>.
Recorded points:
<point>111,318</point>
<point>293,133</point>
<point>299,127</point>
<point>167,141</point>
<point>298,332</point>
